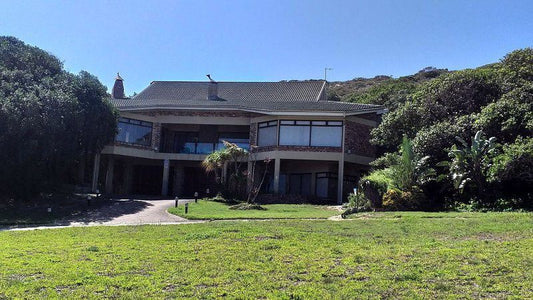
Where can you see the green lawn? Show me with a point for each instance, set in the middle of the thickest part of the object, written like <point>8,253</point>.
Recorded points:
<point>212,210</point>
<point>386,255</point>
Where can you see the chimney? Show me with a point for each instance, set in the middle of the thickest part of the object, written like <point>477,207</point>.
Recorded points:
<point>118,88</point>
<point>212,90</point>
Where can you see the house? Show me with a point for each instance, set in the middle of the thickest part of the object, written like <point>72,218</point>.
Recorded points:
<point>317,148</point>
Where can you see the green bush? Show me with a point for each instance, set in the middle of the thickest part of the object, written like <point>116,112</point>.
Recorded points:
<point>394,200</point>
<point>375,185</point>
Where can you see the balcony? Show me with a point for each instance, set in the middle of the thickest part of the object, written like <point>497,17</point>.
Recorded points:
<point>201,148</point>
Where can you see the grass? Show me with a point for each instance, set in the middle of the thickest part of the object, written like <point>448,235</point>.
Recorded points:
<point>212,210</point>
<point>388,255</point>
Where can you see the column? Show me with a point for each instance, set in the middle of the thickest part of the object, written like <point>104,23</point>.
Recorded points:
<point>277,163</point>
<point>128,175</point>
<point>179,178</point>
<point>164,187</point>
<point>109,175</point>
<point>96,172</point>
<point>340,181</point>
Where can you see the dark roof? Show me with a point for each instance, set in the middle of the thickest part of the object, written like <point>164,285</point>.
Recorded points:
<point>284,96</point>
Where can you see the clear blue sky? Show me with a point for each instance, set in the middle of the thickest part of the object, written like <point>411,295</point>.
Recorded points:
<point>268,40</point>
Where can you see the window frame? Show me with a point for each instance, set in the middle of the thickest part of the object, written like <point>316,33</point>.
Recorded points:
<point>311,124</point>
<point>136,122</point>
<point>272,123</point>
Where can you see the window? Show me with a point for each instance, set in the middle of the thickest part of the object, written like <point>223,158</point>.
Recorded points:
<point>241,139</point>
<point>267,133</point>
<point>326,133</point>
<point>310,133</point>
<point>134,132</point>
<point>294,133</point>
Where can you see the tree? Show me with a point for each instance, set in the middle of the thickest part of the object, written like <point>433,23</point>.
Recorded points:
<point>96,116</point>
<point>512,169</point>
<point>231,156</point>
<point>410,171</point>
<point>42,108</point>
<point>241,184</point>
<point>470,162</point>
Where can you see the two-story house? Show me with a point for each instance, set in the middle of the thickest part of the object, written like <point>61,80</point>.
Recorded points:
<point>317,148</point>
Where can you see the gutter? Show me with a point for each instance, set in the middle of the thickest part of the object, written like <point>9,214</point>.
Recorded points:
<point>275,113</point>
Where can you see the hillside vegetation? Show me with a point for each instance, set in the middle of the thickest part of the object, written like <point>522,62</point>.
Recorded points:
<point>443,122</point>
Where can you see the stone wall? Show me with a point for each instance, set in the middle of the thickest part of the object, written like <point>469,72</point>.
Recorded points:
<point>156,136</point>
<point>357,139</point>
<point>253,134</point>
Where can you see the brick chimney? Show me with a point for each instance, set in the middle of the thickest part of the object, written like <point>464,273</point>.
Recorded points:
<point>118,88</point>
<point>212,89</point>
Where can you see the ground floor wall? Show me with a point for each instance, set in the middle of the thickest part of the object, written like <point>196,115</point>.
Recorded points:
<point>285,179</point>
<point>311,181</point>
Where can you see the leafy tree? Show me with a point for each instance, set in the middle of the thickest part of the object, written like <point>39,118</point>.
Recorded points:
<point>517,68</point>
<point>96,116</point>
<point>405,120</point>
<point>509,117</point>
<point>41,118</point>
<point>512,169</point>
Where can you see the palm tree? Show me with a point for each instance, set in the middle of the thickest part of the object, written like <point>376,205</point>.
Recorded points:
<point>232,155</point>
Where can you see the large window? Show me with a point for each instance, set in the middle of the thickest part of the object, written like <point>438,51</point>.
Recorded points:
<point>134,132</point>
<point>310,133</point>
<point>267,133</point>
<point>241,139</point>
<point>294,133</point>
<point>326,133</point>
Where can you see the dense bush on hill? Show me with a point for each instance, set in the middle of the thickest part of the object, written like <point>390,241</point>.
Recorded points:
<point>50,120</point>
<point>435,110</point>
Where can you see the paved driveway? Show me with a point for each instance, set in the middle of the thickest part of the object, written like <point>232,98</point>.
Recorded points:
<point>123,212</point>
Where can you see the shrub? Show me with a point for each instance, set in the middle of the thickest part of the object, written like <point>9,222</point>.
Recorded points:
<point>359,202</point>
<point>399,200</point>
<point>375,184</point>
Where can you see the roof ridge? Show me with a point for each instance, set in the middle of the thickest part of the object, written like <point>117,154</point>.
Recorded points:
<point>281,81</point>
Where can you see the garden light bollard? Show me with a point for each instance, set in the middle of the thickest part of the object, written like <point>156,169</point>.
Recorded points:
<point>176,201</point>
<point>195,197</point>
<point>186,207</point>
<point>88,200</point>
<point>207,192</point>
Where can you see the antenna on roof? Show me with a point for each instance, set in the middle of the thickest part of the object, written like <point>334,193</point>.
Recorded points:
<point>326,73</point>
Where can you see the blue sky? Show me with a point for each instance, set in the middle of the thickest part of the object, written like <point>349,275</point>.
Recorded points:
<point>268,40</point>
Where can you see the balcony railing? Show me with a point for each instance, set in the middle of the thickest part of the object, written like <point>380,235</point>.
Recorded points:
<point>204,148</point>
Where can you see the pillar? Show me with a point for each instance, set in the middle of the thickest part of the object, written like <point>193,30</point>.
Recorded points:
<point>128,175</point>
<point>96,172</point>
<point>340,181</point>
<point>109,175</point>
<point>164,187</point>
<point>277,163</point>
<point>179,179</point>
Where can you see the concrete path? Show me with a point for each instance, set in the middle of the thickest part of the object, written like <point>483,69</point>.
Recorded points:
<point>151,212</point>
